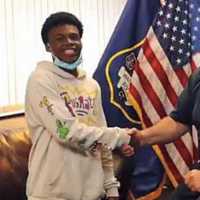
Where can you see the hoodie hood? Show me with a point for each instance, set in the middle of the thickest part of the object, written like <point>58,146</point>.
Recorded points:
<point>47,65</point>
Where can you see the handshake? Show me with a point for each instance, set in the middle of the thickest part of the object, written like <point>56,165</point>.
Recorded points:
<point>135,143</point>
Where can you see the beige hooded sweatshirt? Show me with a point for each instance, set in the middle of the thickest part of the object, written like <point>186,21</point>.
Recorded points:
<point>66,121</point>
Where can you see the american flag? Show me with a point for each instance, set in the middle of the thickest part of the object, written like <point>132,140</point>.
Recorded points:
<point>170,53</point>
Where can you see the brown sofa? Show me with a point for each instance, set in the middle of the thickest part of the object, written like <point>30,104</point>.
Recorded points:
<point>14,149</point>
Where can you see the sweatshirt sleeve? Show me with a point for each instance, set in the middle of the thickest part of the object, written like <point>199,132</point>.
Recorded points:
<point>49,109</point>
<point>111,184</point>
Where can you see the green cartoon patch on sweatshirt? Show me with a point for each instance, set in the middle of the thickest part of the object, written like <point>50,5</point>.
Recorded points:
<point>62,129</point>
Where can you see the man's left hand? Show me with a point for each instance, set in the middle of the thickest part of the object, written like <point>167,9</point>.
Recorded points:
<point>192,180</point>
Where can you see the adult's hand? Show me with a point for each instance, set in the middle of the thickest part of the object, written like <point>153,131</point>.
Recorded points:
<point>192,180</point>
<point>135,139</point>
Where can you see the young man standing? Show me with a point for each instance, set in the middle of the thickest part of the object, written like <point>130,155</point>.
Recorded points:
<point>71,155</point>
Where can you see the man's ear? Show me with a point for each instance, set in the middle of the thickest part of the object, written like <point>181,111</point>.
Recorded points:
<point>48,48</point>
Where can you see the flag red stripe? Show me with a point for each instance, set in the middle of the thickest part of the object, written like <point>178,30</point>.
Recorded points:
<point>171,164</point>
<point>183,150</point>
<point>135,94</point>
<point>159,71</point>
<point>182,76</point>
<point>193,65</point>
<point>133,91</point>
<point>147,87</point>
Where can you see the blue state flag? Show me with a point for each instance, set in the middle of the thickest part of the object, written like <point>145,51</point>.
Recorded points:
<point>142,174</point>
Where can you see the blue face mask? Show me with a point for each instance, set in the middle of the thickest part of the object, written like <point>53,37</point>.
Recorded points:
<point>68,66</point>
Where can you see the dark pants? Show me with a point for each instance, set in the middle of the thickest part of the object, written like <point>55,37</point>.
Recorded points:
<point>182,192</point>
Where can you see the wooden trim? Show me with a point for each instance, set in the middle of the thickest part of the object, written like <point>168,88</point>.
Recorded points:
<point>11,111</point>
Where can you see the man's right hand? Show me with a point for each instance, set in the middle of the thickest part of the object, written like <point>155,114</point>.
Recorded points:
<point>135,139</point>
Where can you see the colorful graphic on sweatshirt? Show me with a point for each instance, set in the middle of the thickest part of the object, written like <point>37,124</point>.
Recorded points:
<point>45,104</point>
<point>78,105</point>
<point>62,129</point>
